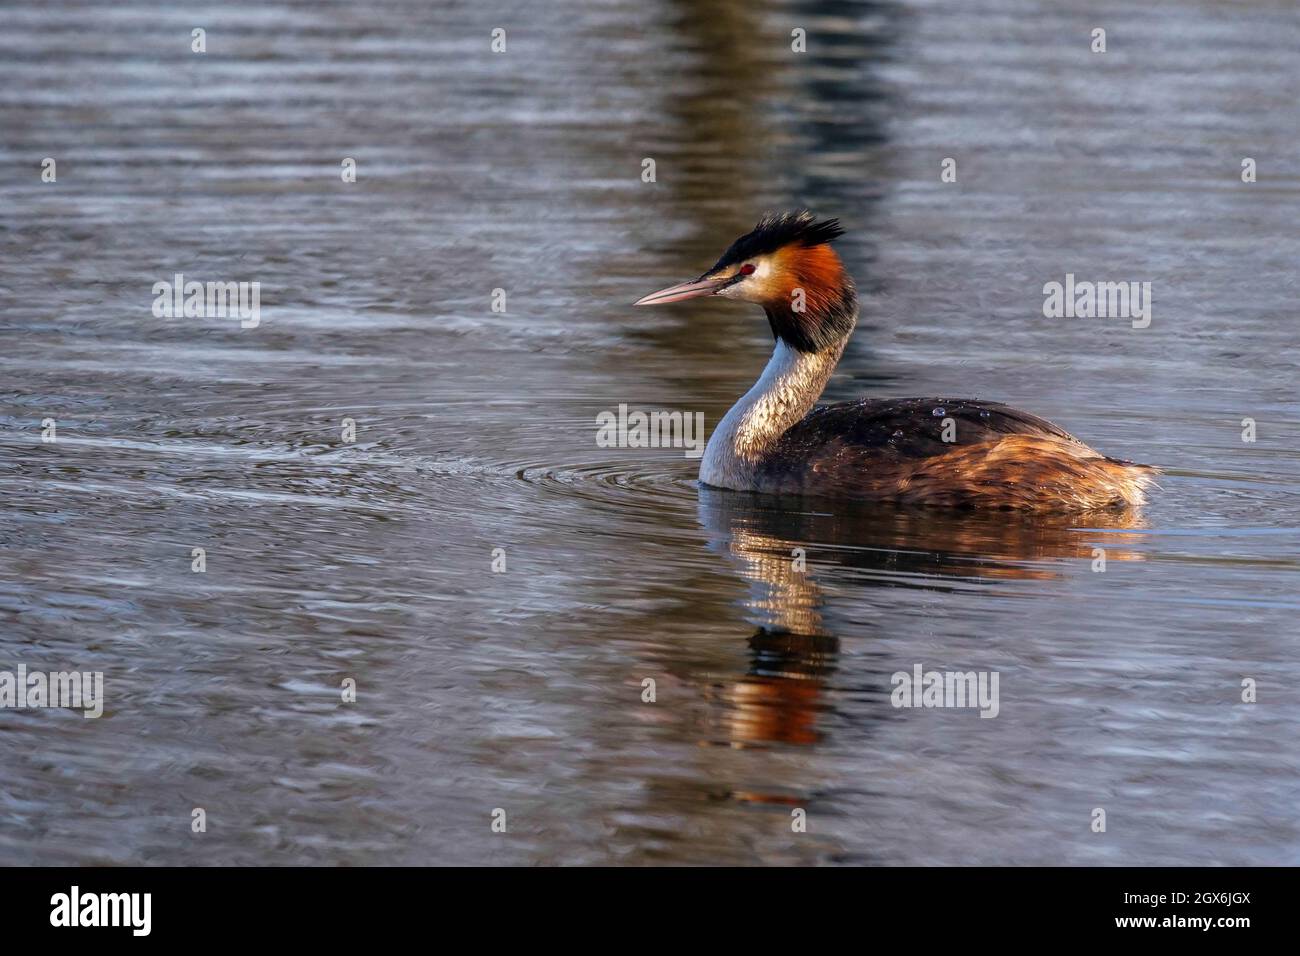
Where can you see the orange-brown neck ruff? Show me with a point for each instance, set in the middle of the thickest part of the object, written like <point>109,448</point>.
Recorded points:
<point>813,303</point>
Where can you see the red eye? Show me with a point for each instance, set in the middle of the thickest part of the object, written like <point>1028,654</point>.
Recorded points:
<point>747,269</point>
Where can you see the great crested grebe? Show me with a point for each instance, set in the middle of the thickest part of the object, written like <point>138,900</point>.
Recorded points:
<point>933,451</point>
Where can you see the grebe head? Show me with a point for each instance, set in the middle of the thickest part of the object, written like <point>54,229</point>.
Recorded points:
<point>787,266</point>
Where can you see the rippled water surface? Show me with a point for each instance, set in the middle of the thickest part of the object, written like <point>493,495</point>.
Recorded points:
<point>522,690</point>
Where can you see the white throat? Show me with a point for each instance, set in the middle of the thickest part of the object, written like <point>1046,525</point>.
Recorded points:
<point>786,391</point>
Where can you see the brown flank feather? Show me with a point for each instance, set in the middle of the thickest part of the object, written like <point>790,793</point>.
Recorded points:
<point>1023,472</point>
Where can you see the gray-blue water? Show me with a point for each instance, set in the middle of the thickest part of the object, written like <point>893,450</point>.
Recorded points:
<point>521,690</point>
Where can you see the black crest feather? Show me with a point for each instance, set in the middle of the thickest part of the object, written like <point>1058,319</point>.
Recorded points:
<point>776,231</point>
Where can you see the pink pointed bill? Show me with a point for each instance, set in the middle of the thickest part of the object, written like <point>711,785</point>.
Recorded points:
<point>684,290</point>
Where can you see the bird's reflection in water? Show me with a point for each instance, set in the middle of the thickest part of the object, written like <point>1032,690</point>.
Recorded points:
<point>790,550</point>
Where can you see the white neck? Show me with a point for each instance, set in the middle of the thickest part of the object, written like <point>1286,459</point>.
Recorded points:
<point>786,391</point>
